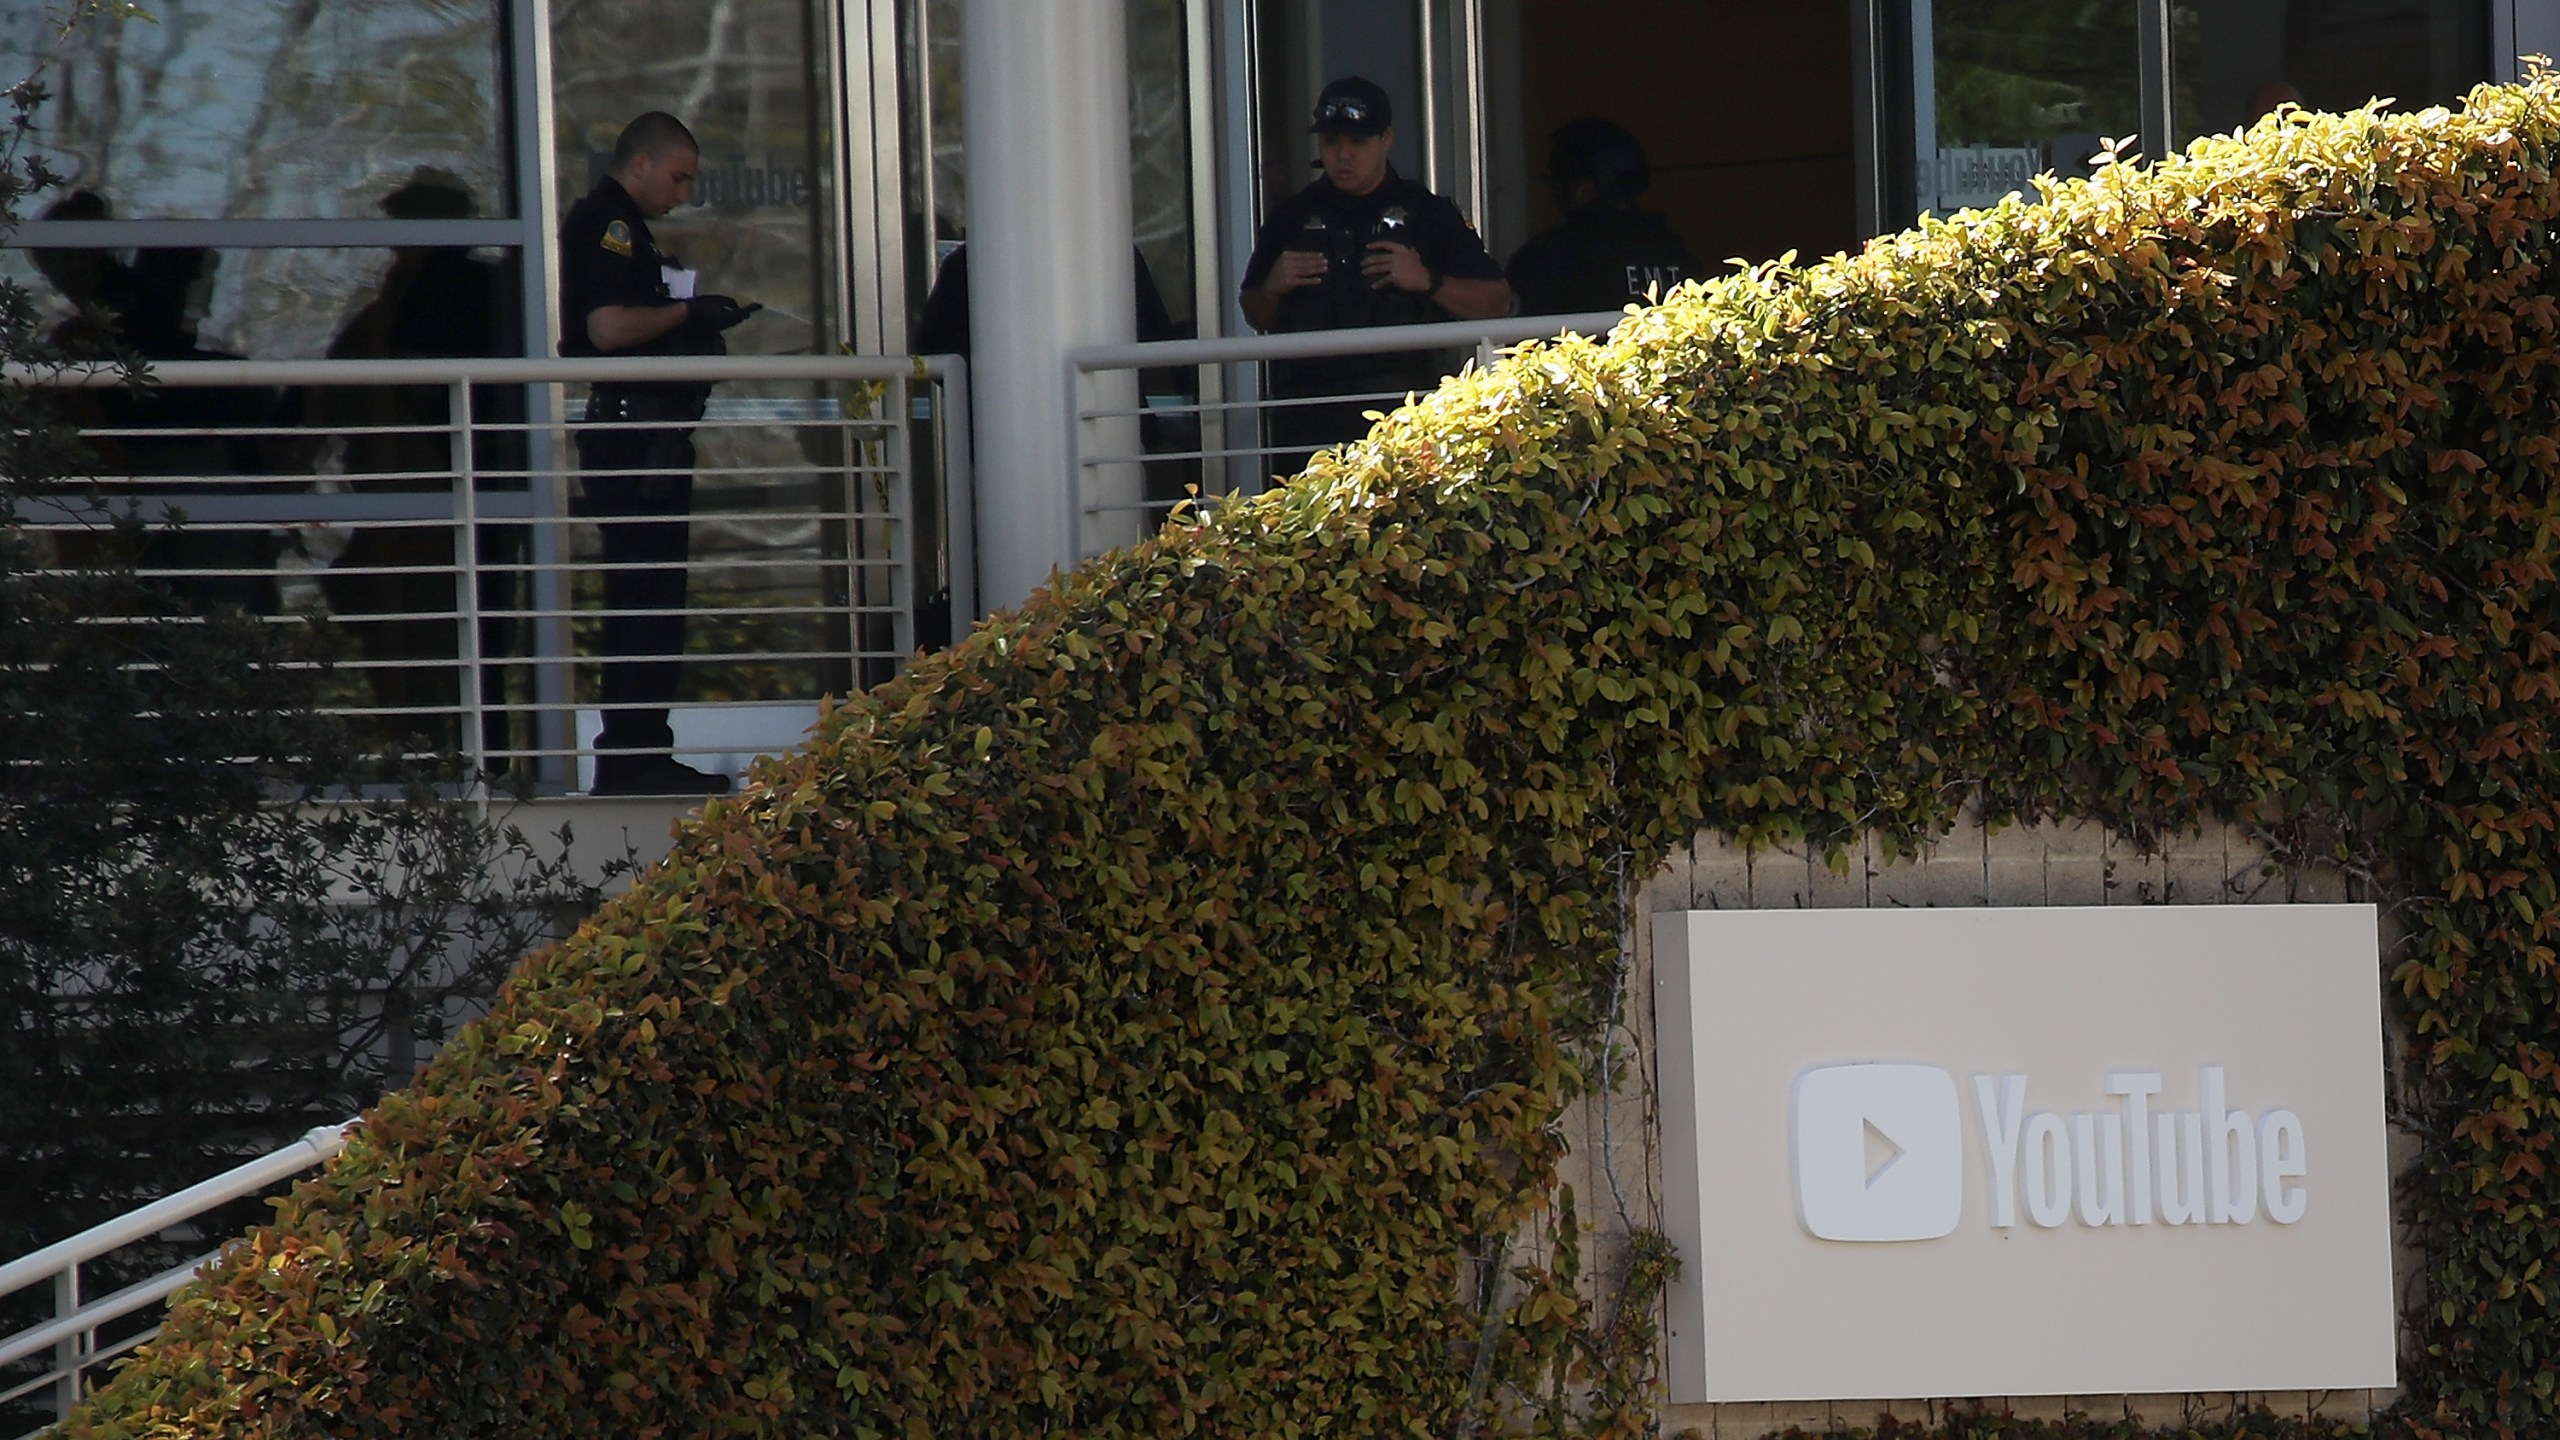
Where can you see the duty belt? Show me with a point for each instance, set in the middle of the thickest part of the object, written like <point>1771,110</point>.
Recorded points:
<point>640,405</point>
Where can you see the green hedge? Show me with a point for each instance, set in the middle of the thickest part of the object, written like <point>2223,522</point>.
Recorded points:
<point>1141,1019</point>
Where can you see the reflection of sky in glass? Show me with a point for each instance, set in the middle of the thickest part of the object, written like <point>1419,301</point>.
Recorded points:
<point>268,109</point>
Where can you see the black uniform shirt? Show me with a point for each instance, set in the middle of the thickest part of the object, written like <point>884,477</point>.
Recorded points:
<point>1601,257</point>
<point>608,257</point>
<point>1341,228</point>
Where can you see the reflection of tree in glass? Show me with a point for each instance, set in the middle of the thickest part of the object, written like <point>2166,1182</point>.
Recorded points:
<point>1159,140</point>
<point>950,156</point>
<point>750,78</point>
<point>1159,147</point>
<point>274,109</point>
<point>2020,72</point>
<point>271,109</point>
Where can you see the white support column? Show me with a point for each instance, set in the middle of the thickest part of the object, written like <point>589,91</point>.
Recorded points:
<point>1049,271</point>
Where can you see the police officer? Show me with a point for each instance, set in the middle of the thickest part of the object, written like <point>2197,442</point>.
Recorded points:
<point>621,295</point>
<point>1362,246</point>
<point>1606,254</point>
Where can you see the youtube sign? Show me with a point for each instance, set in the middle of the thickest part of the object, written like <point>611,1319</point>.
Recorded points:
<point>1917,1154</point>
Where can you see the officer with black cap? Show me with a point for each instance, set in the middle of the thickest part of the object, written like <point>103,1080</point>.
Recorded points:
<point>1606,254</point>
<point>621,295</point>
<point>1362,246</point>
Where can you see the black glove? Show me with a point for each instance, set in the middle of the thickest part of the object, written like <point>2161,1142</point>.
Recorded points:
<point>716,313</point>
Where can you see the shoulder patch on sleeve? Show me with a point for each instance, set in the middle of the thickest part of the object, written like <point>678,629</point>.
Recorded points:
<point>617,238</point>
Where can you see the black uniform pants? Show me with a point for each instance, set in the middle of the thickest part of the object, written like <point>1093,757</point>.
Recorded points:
<point>639,491</point>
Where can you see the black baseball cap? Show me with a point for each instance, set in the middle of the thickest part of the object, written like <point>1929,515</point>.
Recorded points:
<point>1352,106</point>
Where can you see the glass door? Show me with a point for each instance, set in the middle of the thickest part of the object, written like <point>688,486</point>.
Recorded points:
<point>780,535</point>
<point>1427,54</point>
<point>2237,59</point>
<point>1742,112</point>
<point>1971,99</point>
<point>2004,90</point>
<point>752,80</point>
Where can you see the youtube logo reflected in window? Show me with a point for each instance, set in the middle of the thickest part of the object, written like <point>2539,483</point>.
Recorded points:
<point>1879,1152</point>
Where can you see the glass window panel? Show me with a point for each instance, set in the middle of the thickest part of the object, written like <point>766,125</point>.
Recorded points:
<point>749,78</point>
<point>295,494</point>
<point>2027,85</point>
<point>1743,109</point>
<point>1160,149</point>
<point>268,109</point>
<point>1159,143</point>
<point>949,141</point>
<point>180,303</point>
<point>2238,59</point>
<point>1304,44</point>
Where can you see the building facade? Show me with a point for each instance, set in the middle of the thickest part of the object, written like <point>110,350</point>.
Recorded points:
<point>836,172</point>
<point>282,194</point>
<point>279,194</point>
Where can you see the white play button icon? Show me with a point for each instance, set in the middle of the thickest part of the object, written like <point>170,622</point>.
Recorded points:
<point>1879,1152</point>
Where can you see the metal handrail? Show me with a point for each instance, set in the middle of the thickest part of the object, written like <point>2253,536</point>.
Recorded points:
<point>220,374</point>
<point>850,560</point>
<point>1111,503</point>
<point>90,1316</point>
<point>1312,344</point>
<point>72,1333</point>
<point>315,1147</point>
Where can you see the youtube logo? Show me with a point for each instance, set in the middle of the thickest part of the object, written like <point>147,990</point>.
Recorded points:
<point>1879,1152</point>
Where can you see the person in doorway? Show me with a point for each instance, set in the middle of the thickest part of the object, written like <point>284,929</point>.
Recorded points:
<point>1362,246</point>
<point>621,295</point>
<point>1605,254</point>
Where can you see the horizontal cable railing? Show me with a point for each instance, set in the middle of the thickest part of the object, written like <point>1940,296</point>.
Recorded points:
<point>1166,421</point>
<point>74,1339</point>
<point>469,587</point>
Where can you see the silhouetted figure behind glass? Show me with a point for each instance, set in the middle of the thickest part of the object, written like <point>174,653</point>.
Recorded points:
<point>1605,254</point>
<point>2267,98</point>
<point>434,303</point>
<point>178,443</point>
<point>944,330</point>
<point>85,279</point>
